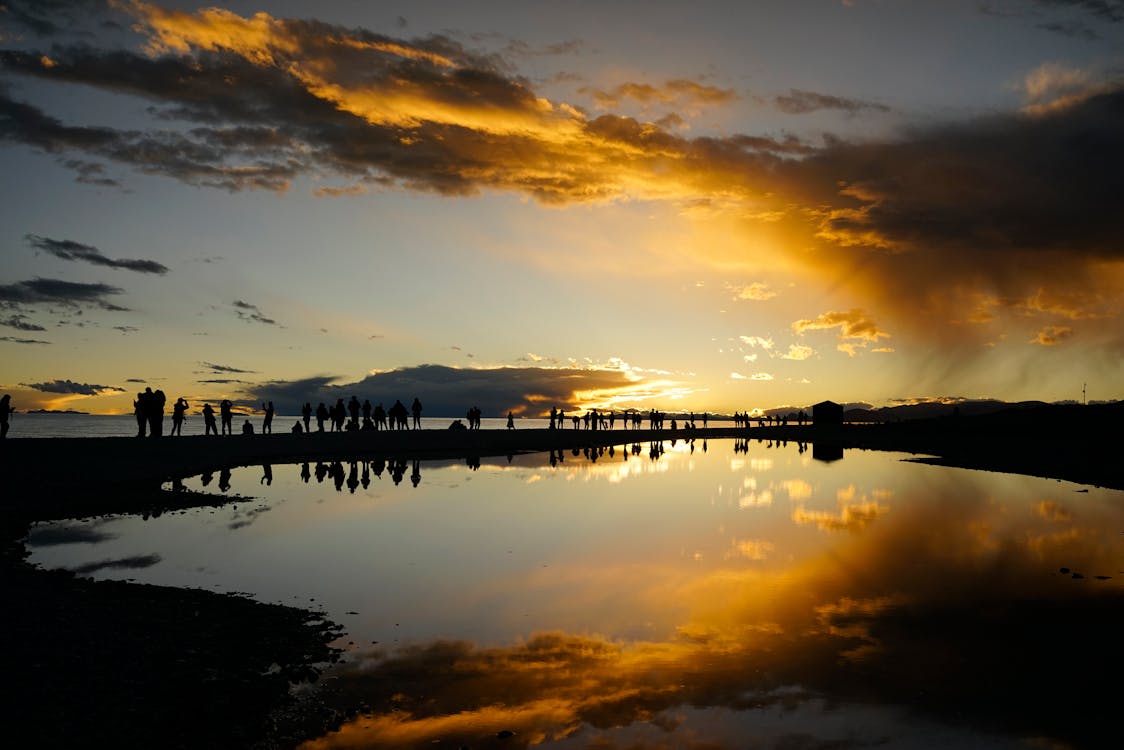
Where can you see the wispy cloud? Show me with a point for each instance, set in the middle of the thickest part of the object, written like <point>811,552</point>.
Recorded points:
<point>246,311</point>
<point>799,102</point>
<point>71,250</point>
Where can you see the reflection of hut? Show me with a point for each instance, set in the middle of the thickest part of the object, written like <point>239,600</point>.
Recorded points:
<point>827,412</point>
<point>827,452</point>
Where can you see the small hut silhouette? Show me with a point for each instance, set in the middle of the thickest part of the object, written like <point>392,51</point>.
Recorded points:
<point>827,413</point>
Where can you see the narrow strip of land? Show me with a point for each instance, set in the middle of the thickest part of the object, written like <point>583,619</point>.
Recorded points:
<point>61,477</point>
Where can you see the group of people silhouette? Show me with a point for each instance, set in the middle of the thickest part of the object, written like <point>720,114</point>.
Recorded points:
<point>353,416</point>
<point>148,408</point>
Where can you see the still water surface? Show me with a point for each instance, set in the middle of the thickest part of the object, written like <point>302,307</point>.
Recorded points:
<point>709,596</point>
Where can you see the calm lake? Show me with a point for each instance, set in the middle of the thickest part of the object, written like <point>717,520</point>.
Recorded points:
<point>721,595</point>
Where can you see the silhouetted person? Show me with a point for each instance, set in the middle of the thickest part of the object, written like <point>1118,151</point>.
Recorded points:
<point>416,408</point>
<point>510,421</point>
<point>267,422</point>
<point>366,409</point>
<point>266,474</point>
<point>140,411</point>
<point>247,428</point>
<point>6,412</point>
<point>353,408</point>
<point>379,417</point>
<point>415,474</point>
<point>209,426</point>
<point>156,414</point>
<point>305,473</point>
<point>297,429</point>
<point>306,415</point>
<point>226,416</point>
<point>321,416</point>
<point>179,413</point>
<point>224,479</point>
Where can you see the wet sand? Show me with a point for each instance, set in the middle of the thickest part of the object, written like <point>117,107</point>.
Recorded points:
<point>109,663</point>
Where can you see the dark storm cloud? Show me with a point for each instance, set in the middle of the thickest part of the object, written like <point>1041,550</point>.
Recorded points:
<point>797,102</point>
<point>57,291</point>
<point>246,311</point>
<point>69,386</point>
<point>19,322</point>
<point>71,250</point>
<point>448,391</point>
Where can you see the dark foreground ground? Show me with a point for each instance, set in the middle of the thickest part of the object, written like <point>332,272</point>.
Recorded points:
<point>97,664</point>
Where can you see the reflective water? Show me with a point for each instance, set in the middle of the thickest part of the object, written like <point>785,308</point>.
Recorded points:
<point>709,596</point>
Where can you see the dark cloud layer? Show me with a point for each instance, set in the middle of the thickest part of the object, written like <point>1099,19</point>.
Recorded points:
<point>448,391</point>
<point>14,340</point>
<point>69,386</point>
<point>57,291</point>
<point>71,250</point>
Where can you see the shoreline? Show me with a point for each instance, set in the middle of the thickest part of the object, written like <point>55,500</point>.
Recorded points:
<point>55,478</point>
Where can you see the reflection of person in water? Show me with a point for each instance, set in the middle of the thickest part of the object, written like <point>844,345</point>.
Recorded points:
<point>266,474</point>
<point>305,473</point>
<point>224,480</point>
<point>6,411</point>
<point>415,473</point>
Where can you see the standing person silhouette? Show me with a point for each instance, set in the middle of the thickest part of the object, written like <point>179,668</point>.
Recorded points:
<point>156,414</point>
<point>141,413</point>
<point>510,421</point>
<point>226,416</point>
<point>306,414</point>
<point>179,413</point>
<point>267,422</point>
<point>209,426</point>
<point>416,408</point>
<point>6,412</point>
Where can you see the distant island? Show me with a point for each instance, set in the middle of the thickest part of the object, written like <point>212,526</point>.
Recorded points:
<point>55,411</point>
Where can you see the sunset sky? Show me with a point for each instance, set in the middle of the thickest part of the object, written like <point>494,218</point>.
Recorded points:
<point>710,205</point>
